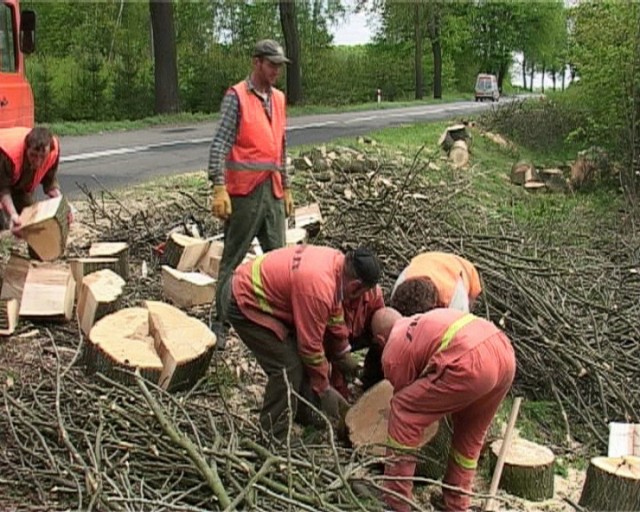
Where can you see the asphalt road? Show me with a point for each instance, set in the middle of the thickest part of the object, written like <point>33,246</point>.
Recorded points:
<point>114,160</point>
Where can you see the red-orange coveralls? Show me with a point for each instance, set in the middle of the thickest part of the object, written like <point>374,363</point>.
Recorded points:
<point>297,288</point>
<point>444,362</point>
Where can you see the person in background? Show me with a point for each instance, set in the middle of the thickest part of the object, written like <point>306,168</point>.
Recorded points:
<point>281,305</point>
<point>28,158</point>
<point>247,167</point>
<point>436,280</point>
<point>441,362</point>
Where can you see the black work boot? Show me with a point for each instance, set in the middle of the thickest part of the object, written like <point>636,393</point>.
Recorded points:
<point>222,332</point>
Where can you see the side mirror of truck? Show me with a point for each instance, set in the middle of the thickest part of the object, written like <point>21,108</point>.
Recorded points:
<point>27,32</point>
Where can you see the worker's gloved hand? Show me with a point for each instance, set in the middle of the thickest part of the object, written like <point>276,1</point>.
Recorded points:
<point>221,202</point>
<point>15,225</point>
<point>333,404</point>
<point>288,202</point>
<point>348,366</point>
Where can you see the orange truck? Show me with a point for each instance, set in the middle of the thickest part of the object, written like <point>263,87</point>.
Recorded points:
<point>17,39</point>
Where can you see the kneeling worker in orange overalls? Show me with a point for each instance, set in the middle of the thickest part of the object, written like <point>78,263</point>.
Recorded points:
<point>436,280</point>
<point>441,362</point>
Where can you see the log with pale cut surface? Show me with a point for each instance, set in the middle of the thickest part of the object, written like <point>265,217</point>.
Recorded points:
<point>535,186</point>
<point>522,172</point>
<point>169,347</point>
<point>459,154</point>
<point>187,289</point>
<point>99,296</point>
<point>308,217</point>
<point>612,483</point>
<point>9,311</point>
<point>184,344</point>
<point>81,267</point>
<point>528,469</point>
<point>184,252</point>
<point>119,250</point>
<point>367,420</point>
<point>296,236</point>
<point>45,227</point>
<point>15,275</point>
<point>210,261</point>
<point>49,292</point>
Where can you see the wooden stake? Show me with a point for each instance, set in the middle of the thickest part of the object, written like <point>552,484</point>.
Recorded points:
<point>497,473</point>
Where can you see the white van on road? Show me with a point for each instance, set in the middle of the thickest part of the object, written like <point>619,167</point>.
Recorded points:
<point>487,88</point>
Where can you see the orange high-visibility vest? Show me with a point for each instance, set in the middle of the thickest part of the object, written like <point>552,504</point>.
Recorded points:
<point>257,153</point>
<point>12,144</point>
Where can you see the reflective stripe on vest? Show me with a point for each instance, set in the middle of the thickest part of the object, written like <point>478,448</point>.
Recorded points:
<point>258,288</point>
<point>313,359</point>
<point>462,461</point>
<point>453,329</point>
<point>336,320</point>
<point>252,166</point>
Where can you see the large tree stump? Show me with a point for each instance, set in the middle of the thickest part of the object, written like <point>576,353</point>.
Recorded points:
<point>184,252</point>
<point>167,346</point>
<point>45,226</point>
<point>612,483</point>
<point>367,420</point>
<point>99,296</point>
<point>119,250</point>
<point>528,469</point>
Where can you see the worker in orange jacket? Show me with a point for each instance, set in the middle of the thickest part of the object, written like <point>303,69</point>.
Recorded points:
<point>28,158</point>
<point>441,362</point>
<point>357,328</point>
<point>436,280</point>
<point>247,167</point>
<point>281,305</point>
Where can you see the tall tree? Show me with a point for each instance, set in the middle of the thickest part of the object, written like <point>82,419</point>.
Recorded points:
<point>417,34</point>
<point>435,21</point>
<point>289,22</point>
<point>164,57</point>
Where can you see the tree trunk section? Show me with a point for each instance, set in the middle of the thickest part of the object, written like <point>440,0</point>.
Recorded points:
<point>45,227</point>
<point>524,73</point>
<point>436,49</point>
<point>418,52</point>
<point>99,296</point>
<point>49,293</point>
<point>119,250</point>
<point>544,72</point>
<point>183,252</point>
<point>528,469</point>
<point>612,483</point>
<point>187,289</point>
<point>164,57</point>
<point>459,154</point>
<point>289,24</point>
<point>531,72</point>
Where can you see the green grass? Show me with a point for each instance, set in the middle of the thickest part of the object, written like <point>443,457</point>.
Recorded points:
<point>89,127</point>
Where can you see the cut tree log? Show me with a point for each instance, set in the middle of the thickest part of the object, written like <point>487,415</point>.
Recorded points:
<point>187,289</point>
<point>612,483</point>
<point>168,347</point>
<point>309,217</point>
<point>184,344</point>
<point>210,262</point>
<point>534,186</point>
<point>528,469</point>
<point>49,292</point>
<point>15,275</point>
<point>459,154</point>
<point>296,236</point>
<point>9,312</point>
<point>118,250</point>
<point>452,134</point>
<point>45,226</point>
<point>367,420</point>
<point>523,172</point>
<point>81,267</point>
<point>184,252</point>
<point>99,296</point>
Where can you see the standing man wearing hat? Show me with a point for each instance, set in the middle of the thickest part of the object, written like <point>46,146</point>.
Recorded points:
<point>282,305</point>
<point>247,167</point>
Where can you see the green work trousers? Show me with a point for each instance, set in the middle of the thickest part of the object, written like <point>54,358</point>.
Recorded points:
<point>259,215</point>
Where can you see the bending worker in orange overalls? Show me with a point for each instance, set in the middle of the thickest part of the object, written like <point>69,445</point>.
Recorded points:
<point>441,362</point>
<point>282,303</point>
<point>436,280</point>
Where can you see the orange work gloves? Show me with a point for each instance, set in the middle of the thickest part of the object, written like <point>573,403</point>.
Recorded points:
<point>288,202</point>
<point>220,202</point>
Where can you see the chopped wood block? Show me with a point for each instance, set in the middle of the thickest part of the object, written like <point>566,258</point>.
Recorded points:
<point>612,483</point>
<point>528,469</point>
<point>169,348</point>
<point>534,186</point>
<point>368,418</point>
<point>118,250</point>
<point>210,261</point>
<point>81,267</point>
<point>186,289</point>
<point>521,172</point>
<point>309,215</point>
<point>453,134</point>
<point>49,292</point>
<point>184,252</point>
<point>184,344</point>
<point>99,296</point>
<point>15,275</point>
<point>121,341</point>
<point>45,227</point>
<point>296,236</point>
<point>9,311</point>
<point>459,153</point>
